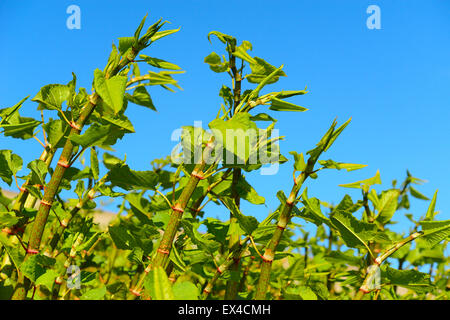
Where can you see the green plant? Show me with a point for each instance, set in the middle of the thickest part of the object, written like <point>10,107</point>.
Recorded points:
<point>153,248</point>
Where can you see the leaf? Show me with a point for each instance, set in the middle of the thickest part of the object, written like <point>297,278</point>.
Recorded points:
<point>94,294</point>
<point>215,62</point>
<point>352,230</point>
<point>248,193</point>
<point>300,163</point>
<point>161,34</point>
<point>8,112</point>
<point>47,279</point>
<point>23,129</point>
<point>387,206</point>
<point>430,211</point>
<point>10,164</point>
<point>98,135</point>
<point>241,52</point>
<point>281,105</point>
<point>363,184</point>
<point>434,232</point>
<point>122,238</point>
<point>330,164</point>
<point>16,254</point>
<point>8,219</point>
<point>247,223</point>
<point>185,290</point>
<point>261,69</point>
<point>122,176</point>
<point>55,129</point>
<point>38,171</point>
<point>52,96</point>
<point>346,258</point>
<point>94,164</point>
<point>141,97</point>
<point>411,279</point>
<point>158,285</point>
<point>158,63</point>
<point>120,121</point>
<point>224,38</point>
<point>238,136</point>
<point>417,194</point>
<point>199,239</point>
<point>110,90</point>
<point>35,266</point>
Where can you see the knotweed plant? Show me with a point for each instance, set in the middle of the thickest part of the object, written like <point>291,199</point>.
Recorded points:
<point>161,245</point>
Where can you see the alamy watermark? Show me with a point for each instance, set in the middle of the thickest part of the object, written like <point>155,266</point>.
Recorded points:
<point>374,20</point>
<point>74,20</point>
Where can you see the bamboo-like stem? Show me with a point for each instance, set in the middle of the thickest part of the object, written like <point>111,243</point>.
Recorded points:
<point>163,251</point>
<point>73,253</point>
<point>23,284</point>
<point>365,287</point>
<point>226,265</point>
<point>194,210</point>
<point>233,285</point>
<point>283,221</point>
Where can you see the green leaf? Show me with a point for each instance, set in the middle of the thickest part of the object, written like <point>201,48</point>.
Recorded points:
<point>111,90</point>
<point>247,223</point>
<point>56,130</point>
<point>8,219</point>
<point>241,52</point>
<point>35,266</point>
<point>47,279</point>
<point>364,184</point>
<point>434,232</point>
<point>224,38</point>
<point>23,129</point>
<point>353,232</point>
<point>300,163</point>
<point>95,135</point>
<point>158,285</point>
<point>94,164</point>
<point>330,164</point>
<point>411,279</point>
<point>200,240</point>
<point>281,105</point>
<point>239,128</point>
<point>248,193</point>
<point>141,97</point>
<point>430,211</point>
<point>261,69</point>
<point>158,63</point>
<point>417,194</point>
<point>52,96</point>
<point>161,34</point>
<point>8,112</point>
<point>125,43</point>
<point>120,121</point>
<point>94,294</point>
<point>38,171</point>
<point>387,206</point>
<point>122,176</point>
<point>215,62</point>
<point>16,254</point>
<point>185,290</point>
<point>10,164</point>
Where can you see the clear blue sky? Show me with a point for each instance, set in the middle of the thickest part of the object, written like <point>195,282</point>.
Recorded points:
<point>393,82</point>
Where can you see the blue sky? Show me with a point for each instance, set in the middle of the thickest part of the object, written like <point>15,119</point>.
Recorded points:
<point>393,82</point>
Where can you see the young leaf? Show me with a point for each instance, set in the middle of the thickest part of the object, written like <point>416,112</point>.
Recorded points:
<point>159,63</point>
<point>430,211</point>
<point>330,164</point>
<point>110,90</point>
<point>281,105</point>
<point>247,223</point>
<point>52,96</point>
<point>363,184</point>
<point>434,232</point>
<point>141,97</point>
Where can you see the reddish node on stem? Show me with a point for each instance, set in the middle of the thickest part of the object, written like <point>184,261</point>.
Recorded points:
<point>198,175</point>
<point>163,251</point>
<point>268,260</point>
<point>135,292</point>
<point>58,281</point>
<point>32,251</point>
<point>177,208</point>
<point>363,290</point>
<point>74,126</point>
<point>219,271</point>
<point>7,231</point>
<point>280,227</point>
<point>206,291</point>
<point>23,190</point>
<point>63,224</point>
<point>63,163</point>
<point>46,203</point>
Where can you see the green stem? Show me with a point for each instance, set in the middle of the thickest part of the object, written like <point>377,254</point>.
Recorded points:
<point>52,188</point>
<point>365,287</point>
<point>163,251</point>
<point>226,265</point>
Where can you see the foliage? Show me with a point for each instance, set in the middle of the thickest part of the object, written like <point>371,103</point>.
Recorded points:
<point>160,245</point>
